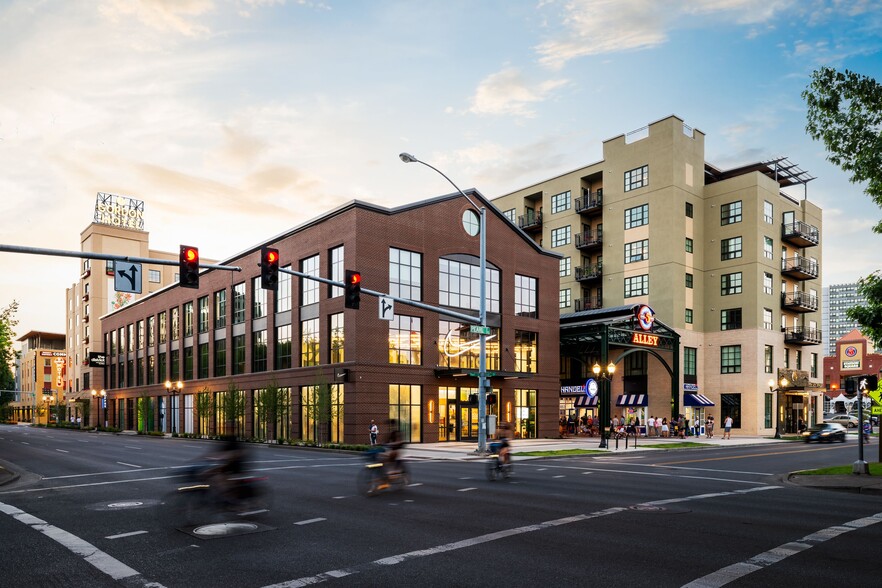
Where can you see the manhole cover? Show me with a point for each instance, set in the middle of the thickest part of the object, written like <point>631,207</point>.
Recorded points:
<point>124,504</point>
<point>223,529</point>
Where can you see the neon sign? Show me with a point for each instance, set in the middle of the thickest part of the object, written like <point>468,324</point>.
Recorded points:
<point>644,339</point>
<point>119,211</point>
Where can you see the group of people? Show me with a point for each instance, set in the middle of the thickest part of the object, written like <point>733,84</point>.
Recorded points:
<point>655,426</point>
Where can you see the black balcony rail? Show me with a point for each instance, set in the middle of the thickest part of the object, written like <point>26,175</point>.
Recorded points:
<point>532,220</point>
<point>800,234</point>
<point>588,303</point>
<point>588,239</point>
<point>799,301</point>
<point>592,271</point>
<point>802,336</point>
<point>799,267</point>
<point>590,201</point>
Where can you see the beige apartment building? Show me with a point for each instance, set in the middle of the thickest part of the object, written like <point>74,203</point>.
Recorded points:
<point>43,370</point>
<point>724,258</point>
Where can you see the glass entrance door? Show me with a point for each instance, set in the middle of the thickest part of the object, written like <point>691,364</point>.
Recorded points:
<point>447,414</point>
<point>468,422</point>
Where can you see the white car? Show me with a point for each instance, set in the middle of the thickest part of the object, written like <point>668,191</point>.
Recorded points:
<point>843,419</point>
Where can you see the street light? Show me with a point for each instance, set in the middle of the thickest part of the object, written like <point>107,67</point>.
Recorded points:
<point>95,395</point>
<point>783,384</point>
<point>469,226</point>
<point>605,377</point>
<point>173,389</point>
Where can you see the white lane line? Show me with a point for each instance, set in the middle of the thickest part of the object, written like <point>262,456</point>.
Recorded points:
<point>657,474</point>
<point>121,535</point>
<point>69,486</point>
<point>112,472</point>
<point>131,465</point>
<point>466,489</point>
<point>503,534</point>
<point>310,521</point>
<point>738,570</point>
<point>559,476</point>
<point>91,554</point>
<point>63,450</point>
<point>25,443</point>
<point>132,446</point>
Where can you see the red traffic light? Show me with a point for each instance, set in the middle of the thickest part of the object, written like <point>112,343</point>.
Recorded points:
<point>188,267</point>
<point>191,255</point>
<point>354,278</point>
<point>272,256</point>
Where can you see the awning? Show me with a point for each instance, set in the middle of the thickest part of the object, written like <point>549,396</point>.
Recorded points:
<point>697,400</point>
<point>585,401</point>
<point>632,400</point>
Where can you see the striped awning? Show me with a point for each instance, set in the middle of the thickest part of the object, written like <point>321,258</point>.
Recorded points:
<point>585,401</point>
<point>632,400</point>
<point>697,400</point>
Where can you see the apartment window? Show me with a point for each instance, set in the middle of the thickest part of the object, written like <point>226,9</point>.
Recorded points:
<point>636,178</point>
<point>220,357</point>
<point>637,216</point>
<point>768,359</point>
<point>560,202</point>
<point>689,211</point>
<point>768,212</point>
<point>637,286</point>
<point>338,272</point>
<point>202,306</point>
<point>730,319</point>
<point>813,366</point>
<point>787,358</point>
<point>767,283</point>
<point>730,359</point>
<point>637,251</point>
<point>525,296</point>
<point>151,337</point>
<point>459,285</point>
<point>258,351</point>
<point>203,361</point>
<point>730,213</point>
<point>174,358</point>
<point>154,276</point>
<point>767,410</point>
<point>405,340</point>
<point>283,291</point>
<point>564,299</point>
<point>730,248</point>
<point>220,309</point>
<point>258,299</point>
<point>510,215</point>
<point>405,274</point>
<point>309,289</point>
<point>565,266</point>
<point>798,359</point>
<point>282,348</point>
<point>140,334</point>
<point>309,342</point>
<point>238,354</point>
<point>239,303</point>
<point>151,370</point>
<point>730,284</point>
<point>188,319</point>
<point>690,361</point>
<point>175,327</point>
<point>526,352</point>
<point>163,330</point>
<point>560,236</point>
<point>161,370</point>
<point>688,316</point>
<point>690,280</point>
<point>768,247</point>
<point>767,319</point>
<point>188,363</point>
<point>337,338</point>
<point>689,245</point>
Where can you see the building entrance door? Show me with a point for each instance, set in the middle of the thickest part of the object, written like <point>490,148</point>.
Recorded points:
<point>468,422</point>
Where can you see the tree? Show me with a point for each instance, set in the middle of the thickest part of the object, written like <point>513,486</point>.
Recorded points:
<point>845,112</point>
<point>7,352</point>
<point>204,410</point>
<point>233,409</point>
<point>869,316</point>
<point>271,406</point>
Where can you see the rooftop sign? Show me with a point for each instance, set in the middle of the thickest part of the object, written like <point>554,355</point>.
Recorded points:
<point>119,211</point>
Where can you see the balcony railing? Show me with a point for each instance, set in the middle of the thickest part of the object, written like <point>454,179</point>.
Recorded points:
<point>530,221</point>
<point>799,301</point>
<point>589,239</point>
<point>800,234</point>
<point>590,201</point>
<point>589,272</point>
<point>588,303</point>
<point>802,336</point>
<point>799,267</point>
<point>85,297</point>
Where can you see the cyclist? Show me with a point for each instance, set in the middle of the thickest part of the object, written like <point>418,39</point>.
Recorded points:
<point>503,447</point>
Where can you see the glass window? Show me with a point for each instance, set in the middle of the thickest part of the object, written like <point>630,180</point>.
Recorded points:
<point>405,340</point>
<point>321,416</point>
<point>338,272</point>
<point>203,314</point>
<point>188,319</point>
<point>730,406</point>
<point>459,285</point>
<point>565,266</point>
<point>526,352</point>
<point>636,178</point>
<point>283,347</point>
<point>238,354</point>
<point>220,309</point>
<point>258,351</point>
<point>405,274</point>
<point>174,358</point>
<point>203,361</point>
<point>188,363</point>
<point>730,319</point>
<point>690,280</point>
<point>239,303</point>
<point>767,319</point>
<point>688,316</point>
<point>151,370</point>
<point>258,299</point>
<point>813,367</point>
<point>637,286</point>
<point>459,348</point>
<point>637,251</point>
<point>309,342</point>
<point>220,357</point>
<point>565,301</point>
<point>163,336</point>
<point>151,337</point>
<point>560,236</point>
<point>525,414</point>
<point>175,327</point>
<point>337,338</point>
<point>689,245</point>
<point>768,212</point>
<point>730,248</point>
<point>690,361</point>
<point>689,210</point>
<point>730,284</point>
<point>767,412</point>
<point>560,202</point>
<point>154,276</point>
<point>730,359</point>
<point>283,291</point>
<point>161,370</point>
<point>140,334</point>
<point>525,296</point>
<point>767,283</point>
<point>730,213</point>
<point>510,215</point>
<point>309,289</point>
<point>768,359</point>
<point>637,216</point>
<point>405,409</point>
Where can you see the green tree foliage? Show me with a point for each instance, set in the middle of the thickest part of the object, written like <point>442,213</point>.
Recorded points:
<point>270,404</point>
<point>232,408</point>
<point>869,316</point>
<point>204,411</point>
<point>7,353</point>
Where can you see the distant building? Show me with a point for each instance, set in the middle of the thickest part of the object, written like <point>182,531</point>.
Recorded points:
<point>838,298</point>
<point>853,356</point>
<point>42,376</point>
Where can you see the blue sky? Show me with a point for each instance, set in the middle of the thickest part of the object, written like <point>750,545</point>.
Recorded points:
<point>253,116</point>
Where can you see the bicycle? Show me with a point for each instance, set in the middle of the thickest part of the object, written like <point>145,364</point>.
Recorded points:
<point>497,470</point>
<point>375,476</point>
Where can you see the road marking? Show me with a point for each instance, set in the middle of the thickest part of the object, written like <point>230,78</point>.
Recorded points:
<point>415,484</point>
<point>132,446</point>
<point>466,489</point>
<point>121,535</point>
<point>25,443</point>
<point>63,450</point>
<point>131,465</point>
<point>310,521</point>
<point>91,554</point>
<point>746,455</point>
<point>503,534</point>
<point>628,472</point>
<point>47,488</point>
<point>559,476</point>
<point>738,570</point>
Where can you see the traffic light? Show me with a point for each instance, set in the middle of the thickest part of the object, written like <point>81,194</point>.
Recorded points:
<point>353,289</point>
<point>872,383</point>
<point>189,267</point>
<point>269,268</point>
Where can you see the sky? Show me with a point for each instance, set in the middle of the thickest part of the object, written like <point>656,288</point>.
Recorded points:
<point>235,120</point>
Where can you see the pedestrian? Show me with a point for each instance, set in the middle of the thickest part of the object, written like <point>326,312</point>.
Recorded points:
<point>563,426</point>
<point>665,429</point>
<point>727,427</point>
<point>650,426</point>
<point>709,427</point>
<point>375,431</point>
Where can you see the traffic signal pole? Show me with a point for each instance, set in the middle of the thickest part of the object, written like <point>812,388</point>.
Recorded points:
<point>107,257</point>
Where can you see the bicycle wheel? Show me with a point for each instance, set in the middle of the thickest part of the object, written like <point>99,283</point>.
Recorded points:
<point>367,481</point>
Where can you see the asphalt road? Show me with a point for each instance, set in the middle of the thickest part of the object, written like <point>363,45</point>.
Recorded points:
<point>96,510</point>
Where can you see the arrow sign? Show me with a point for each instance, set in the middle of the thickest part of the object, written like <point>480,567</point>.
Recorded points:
<point>386,308</point>
<point>127,277</point>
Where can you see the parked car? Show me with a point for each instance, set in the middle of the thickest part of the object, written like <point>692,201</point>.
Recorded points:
<point>825,432</point>
<point>843,419</point>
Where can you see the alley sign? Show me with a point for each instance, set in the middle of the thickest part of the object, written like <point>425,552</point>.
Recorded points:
<point>127,277</point>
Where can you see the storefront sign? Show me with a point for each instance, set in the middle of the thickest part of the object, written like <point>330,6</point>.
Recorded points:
<point>97,359</point>
<point>854,364</point>
<point>572,390</point>
<point>644,339</point>
<point>119,211</point>
<point>645,317</point>
<point>53,354</point>
<point>690,387</point>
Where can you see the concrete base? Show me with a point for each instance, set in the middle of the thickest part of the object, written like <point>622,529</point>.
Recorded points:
<point>860,467</point>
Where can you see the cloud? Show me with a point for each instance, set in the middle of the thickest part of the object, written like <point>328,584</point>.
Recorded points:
<point>180,16</point>
<point>508,93</point>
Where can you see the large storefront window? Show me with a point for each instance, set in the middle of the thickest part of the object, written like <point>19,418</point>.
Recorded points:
<point>230,411</point>
<point>321,413</point>
<point>459,285</point>
<point>337,335</point>
<point>730,406</point>
<point>525,414</point>
<point>405,340</point>
<point>309,341</point>
<point>459,348</point>
<point>272,413</point>
<point>526,352</point>
<point>405,409</point>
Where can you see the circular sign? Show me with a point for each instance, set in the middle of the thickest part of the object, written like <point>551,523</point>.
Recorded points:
<point>645,317</point>
<point>591,387</point>
<point>850,351</point>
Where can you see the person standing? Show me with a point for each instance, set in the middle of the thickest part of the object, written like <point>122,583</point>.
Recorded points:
<point>727,427</point>
<point>375,431</point>
<point>650,426</point>
<point>709,427</point>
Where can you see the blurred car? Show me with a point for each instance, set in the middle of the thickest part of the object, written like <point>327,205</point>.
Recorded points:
<point>845,420</point>
<point>825,432</point>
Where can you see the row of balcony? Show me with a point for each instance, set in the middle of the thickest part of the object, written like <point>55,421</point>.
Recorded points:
<point>799,301</point>
<point>799,268</point>
<point>592,271</point>
<point>590,202</point>
<point>802,336</point>
<point>589,239</point>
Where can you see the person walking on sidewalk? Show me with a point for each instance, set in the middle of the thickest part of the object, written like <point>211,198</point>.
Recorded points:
<point>727,428</point>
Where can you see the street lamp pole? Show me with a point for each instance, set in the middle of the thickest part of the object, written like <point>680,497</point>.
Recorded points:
<point>176,386</point>
<point>99,396</point>
<point>605,377</point>
<point>483,383</point>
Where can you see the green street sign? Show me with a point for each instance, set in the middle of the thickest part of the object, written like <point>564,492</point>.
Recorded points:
<point>479,330</point>
<point>876,410</point>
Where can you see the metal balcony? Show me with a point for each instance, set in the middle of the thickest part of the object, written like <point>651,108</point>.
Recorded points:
<point>589,239</point>
<point>588,303</point>
<point>589,272</point>
<point>590,202</point>
<point>802,336</point>
<point>530,222</point>
<point>799,301</point>
<point>799,268</point>
<point>800,234</point>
